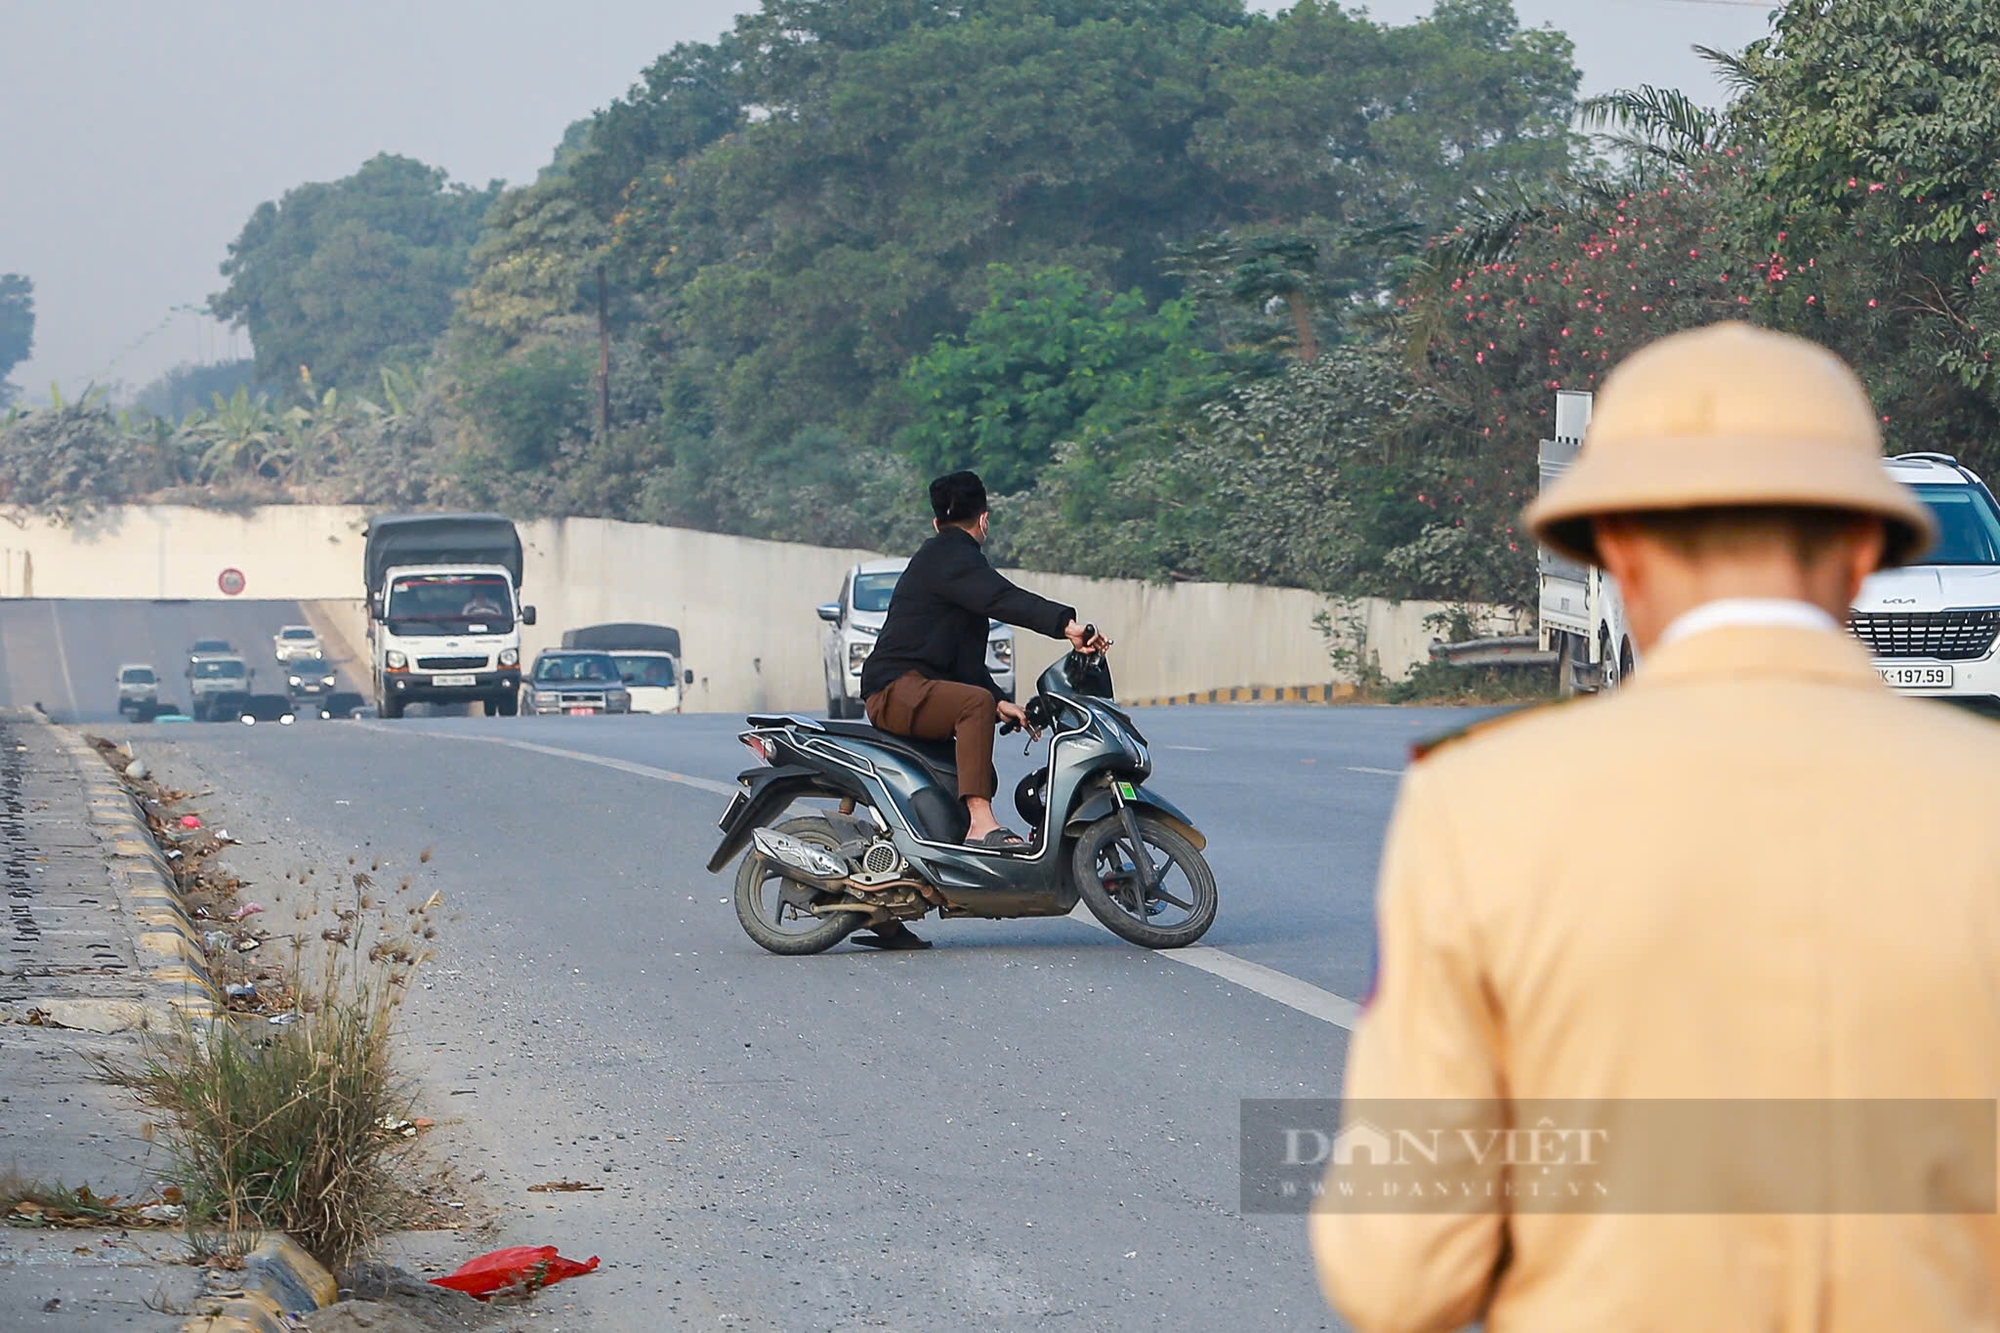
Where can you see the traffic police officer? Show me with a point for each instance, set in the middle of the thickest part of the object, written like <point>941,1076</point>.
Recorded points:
<point>1753,881</point>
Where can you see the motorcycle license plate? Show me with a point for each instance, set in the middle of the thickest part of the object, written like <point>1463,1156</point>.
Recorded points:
<point>736,802</point>
<point>454,680</point>
<point>1915,677</point>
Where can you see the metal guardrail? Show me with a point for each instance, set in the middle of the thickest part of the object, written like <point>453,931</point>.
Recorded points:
<point>1524,650</point>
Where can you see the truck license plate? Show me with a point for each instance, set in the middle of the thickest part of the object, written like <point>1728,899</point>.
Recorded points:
<point>1915,677</point>
<point>454,680</point>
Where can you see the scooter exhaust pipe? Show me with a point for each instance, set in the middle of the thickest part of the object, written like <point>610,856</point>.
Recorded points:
<point>813,863</point>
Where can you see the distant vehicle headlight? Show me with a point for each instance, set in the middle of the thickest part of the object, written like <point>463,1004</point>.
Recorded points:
<point>618,697</point>
<point>510,657</point>
<point>857,653</point>
<point>1002,650</point>
<point>395,660</point>
<point>328,681</point>
<point>865,631</point>
<point>297,681</point>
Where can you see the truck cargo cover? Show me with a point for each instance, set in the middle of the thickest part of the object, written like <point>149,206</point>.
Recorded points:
<point>626,637</point>
<point>441,539</point>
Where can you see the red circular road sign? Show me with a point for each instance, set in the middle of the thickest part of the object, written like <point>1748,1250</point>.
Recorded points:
<point>230,581</point>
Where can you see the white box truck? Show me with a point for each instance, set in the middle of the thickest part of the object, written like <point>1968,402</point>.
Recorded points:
<point>445,611</point>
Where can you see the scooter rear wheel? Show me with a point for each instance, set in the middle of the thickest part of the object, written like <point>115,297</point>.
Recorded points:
<point>1182,905</point>
<point>770,906</point>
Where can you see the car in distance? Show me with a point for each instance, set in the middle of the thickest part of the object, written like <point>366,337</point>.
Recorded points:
<point>201,648</point>
<point>138,689</point>
<point>648,657</point>
<point>575,683</point>
<point>216,686</point>
<point>854,619</point>
<point>308,677</point>
<point>1933,627</point>
<point>296,641</point>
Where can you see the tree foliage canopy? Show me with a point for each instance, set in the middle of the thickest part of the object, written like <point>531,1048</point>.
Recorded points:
<point>347,276</point>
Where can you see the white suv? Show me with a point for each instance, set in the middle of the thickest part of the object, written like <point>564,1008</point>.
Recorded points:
<point>1931,627</point>
<point>854,621</point>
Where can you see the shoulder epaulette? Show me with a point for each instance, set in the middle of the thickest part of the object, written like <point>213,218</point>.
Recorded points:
<point>1430,745</point>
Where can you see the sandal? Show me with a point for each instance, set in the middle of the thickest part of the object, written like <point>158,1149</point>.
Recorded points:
<point>999,838</point>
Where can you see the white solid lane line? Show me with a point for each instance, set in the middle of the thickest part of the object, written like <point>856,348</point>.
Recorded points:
<point>62,661</point>
<point>602,761</point>
<point>1268,982</point>
<point>1379,772</point>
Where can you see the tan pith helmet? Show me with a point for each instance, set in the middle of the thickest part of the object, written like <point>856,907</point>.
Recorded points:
<point>1730,415</point>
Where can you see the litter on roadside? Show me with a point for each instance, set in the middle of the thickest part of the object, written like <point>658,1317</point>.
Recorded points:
<point>518,1268</point>
<point>282,1020</point>
<point>190,821</point>
<point>564,1187</point>
<point>240,990</point>
<point>247,943</point>
<point>248,909</point>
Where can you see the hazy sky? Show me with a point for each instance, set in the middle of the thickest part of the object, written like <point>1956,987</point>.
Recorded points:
<point>136,136</point>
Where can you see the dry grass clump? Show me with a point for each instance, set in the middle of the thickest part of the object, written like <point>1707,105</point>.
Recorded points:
<point>297,1121</point>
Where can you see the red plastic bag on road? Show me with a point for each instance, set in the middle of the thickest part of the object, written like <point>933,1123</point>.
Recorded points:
<point>523,1267</point>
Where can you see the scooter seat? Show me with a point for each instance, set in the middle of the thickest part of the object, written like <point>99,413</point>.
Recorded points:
<point>939,758</point>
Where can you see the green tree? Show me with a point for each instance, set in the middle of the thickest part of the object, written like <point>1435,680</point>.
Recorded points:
<point>1048,359</point>
<point>1876,131</point>
<point>345,276</point>
<point>17,328</point>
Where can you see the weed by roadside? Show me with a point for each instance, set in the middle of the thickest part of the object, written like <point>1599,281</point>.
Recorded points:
<point>299,1121</point>
<point>1436,682</point>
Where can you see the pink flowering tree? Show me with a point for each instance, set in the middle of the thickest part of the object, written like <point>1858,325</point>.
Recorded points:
<point>1876,130</point>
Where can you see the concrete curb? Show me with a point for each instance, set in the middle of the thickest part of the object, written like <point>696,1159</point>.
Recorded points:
<point>1252,694</point>
<point>279,1279</point>
<point>167,946</point>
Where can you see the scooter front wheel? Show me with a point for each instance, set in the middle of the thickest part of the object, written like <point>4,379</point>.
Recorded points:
<point>1179,908</point>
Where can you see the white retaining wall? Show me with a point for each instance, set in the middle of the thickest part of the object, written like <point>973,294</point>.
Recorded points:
<point>744,607</point>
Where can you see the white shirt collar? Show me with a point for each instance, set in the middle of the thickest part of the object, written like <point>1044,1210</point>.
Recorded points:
<point>1778,612</point>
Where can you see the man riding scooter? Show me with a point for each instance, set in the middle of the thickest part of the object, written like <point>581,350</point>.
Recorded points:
<point>927,676</point>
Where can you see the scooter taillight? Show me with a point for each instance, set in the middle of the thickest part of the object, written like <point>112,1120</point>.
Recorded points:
<point>761,746</point>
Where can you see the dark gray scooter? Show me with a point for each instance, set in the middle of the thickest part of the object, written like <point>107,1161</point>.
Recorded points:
<point>892,848</point>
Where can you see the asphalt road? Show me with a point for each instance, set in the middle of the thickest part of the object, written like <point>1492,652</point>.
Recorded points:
<point>1031,1125</point>
<point>65,655</point>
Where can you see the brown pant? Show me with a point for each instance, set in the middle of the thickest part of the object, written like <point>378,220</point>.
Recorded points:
<point>913,705</point>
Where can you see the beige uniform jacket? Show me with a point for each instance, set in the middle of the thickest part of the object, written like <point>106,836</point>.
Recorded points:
<point>1752,873</point>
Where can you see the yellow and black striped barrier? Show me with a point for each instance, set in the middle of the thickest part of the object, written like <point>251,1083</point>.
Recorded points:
<point>1252,694</point>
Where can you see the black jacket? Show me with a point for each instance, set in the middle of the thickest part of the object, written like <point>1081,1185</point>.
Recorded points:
<point>938,618</point>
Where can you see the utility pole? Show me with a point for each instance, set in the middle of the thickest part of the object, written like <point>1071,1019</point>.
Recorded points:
<point>603,362</point>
